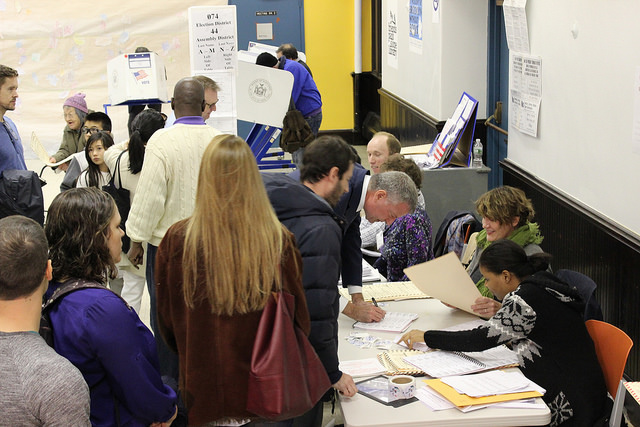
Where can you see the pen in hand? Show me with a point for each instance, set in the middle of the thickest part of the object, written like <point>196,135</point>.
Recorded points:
<point>374,301</point>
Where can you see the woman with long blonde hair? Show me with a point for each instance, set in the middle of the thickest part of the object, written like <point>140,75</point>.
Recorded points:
<point>215,272</point>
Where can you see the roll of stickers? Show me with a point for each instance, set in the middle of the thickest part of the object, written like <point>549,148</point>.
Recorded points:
<point>402,387</point>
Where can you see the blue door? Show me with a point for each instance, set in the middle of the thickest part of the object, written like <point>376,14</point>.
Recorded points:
<point>285,18</point>
<point>497,91</point>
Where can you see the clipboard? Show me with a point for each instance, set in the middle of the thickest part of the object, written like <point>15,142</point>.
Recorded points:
<point>377,388</point>
<point>446,279</point>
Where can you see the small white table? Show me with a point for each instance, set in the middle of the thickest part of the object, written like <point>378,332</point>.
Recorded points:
<point>360,411</point>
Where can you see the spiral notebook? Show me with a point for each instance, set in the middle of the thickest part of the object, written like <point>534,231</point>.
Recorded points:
<point>440,363</point>
<point>394,362</point>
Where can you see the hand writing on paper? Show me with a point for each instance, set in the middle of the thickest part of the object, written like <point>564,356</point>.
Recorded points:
<point>485,307</point>
<point>364,312</point>
<point>412,337</point>
<point>346,386</point>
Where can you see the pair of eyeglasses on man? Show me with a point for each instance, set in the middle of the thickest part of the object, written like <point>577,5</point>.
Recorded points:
<point>210,106</point>
<point>92,130</point>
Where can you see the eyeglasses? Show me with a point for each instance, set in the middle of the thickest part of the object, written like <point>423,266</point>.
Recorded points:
<point>212,105</point>
<point>92,130</point>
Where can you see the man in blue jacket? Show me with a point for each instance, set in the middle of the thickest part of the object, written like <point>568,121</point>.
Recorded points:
<point>304,94</point>
<point>11,151</point>
<point>305,207</point>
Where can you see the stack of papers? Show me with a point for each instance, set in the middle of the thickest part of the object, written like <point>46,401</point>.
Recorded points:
<point>362,368</point>
<point>486,388</point>
<point>392,322</point>
<point>440,363</point>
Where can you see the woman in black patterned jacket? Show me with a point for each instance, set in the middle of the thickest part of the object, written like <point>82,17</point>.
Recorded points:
<point>541,320</point>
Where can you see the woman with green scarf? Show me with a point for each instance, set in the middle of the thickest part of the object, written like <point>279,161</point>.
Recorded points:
<point>506,214</point>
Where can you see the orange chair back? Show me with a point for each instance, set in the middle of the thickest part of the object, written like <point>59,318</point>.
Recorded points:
<point>612,348</point>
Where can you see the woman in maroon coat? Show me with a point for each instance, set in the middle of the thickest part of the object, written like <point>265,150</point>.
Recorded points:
<point>214,274</point>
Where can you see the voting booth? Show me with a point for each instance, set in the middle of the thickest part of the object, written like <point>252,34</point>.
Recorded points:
<point>137,77</point>
<point>263,95</point>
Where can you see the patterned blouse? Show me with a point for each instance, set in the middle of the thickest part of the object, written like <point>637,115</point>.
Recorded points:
<point>542,322</point>
<point>406,242</point>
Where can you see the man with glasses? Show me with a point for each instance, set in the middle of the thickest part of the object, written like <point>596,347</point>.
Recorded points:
<point>211,90</point>
<point>94,122</point>
<point>11,150</point>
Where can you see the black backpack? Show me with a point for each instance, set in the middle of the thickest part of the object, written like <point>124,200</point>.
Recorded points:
<point>21,194</point>
<point>46,329</point>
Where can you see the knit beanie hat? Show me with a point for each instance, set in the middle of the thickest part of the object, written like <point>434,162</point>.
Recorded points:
<point>266,59</point>
<point>77,101</point>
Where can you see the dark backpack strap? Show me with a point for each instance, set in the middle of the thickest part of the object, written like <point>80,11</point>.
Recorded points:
<point>73,285</point>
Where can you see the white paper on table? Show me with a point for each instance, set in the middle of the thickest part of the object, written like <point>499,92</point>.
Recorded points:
<point>433,399</point>
<point>466,326</point>
<point>491,383</point>
<point>392,322</point>
<point>362,367</point>
<point>521,404</point>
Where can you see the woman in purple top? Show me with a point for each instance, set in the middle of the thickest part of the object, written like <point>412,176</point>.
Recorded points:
<point>94,328</point>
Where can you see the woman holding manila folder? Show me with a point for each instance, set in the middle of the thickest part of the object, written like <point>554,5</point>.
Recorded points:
<point>506,214</point>
<point>541,320</point>
<point>216,270</point>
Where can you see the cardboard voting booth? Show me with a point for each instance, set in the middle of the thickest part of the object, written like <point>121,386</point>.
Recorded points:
<point>263,94</point>
<point>457,133</point>
<point>136,77</point>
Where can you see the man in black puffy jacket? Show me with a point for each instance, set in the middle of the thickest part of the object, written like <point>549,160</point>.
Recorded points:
<point>306,209</point>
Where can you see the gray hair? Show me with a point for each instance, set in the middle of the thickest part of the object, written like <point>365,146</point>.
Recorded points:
<point>399,187</point>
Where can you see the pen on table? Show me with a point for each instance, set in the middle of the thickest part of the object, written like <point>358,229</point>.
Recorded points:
<point>374,301</point>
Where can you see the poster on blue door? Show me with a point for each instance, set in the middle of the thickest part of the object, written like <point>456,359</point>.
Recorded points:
<point>415,26</point>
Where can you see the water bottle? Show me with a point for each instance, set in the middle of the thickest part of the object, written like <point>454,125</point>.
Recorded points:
<point>477,154</point>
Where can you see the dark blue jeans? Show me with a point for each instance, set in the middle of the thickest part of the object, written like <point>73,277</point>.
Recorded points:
<point>168,359</point>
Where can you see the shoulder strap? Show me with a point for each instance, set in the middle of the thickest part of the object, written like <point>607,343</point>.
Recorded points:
<point>118,169</point>
<point>73,285</point>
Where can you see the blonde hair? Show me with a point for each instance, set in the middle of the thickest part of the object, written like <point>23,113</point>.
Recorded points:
<point>503,204</point>
<point>234,241</point>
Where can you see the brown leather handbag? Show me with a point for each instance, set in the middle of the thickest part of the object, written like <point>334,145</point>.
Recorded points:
<point>287,377</point>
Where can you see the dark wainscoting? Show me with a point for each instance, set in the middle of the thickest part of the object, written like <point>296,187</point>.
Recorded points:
<point>583,240</point>
<point>414,127</point>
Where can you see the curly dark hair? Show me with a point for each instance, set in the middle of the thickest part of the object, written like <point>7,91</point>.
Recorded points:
<point>77,229</point>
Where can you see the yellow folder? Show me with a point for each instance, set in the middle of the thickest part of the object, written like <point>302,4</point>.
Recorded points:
<point>462,400</point>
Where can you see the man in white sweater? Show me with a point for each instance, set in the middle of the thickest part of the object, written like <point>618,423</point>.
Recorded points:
<point>166,191</point>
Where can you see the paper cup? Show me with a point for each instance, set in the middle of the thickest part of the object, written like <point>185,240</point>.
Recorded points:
<point>402,387</point>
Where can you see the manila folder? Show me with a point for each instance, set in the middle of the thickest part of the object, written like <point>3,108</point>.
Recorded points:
<point>446,279</point>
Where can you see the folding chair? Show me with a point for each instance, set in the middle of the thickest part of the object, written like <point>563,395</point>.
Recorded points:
<point>612,348</point>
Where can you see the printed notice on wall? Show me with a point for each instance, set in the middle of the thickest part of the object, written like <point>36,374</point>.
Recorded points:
<point>392,34</point>
<point>213,38</point>
<point>525,92</point>
<point>415,26</point>
<point>635,135</point>
<point>515,24</point>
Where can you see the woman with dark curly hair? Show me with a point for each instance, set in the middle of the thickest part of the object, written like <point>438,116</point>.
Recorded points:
<point>93,327</point>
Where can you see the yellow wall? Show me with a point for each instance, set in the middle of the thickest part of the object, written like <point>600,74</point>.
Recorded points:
<point>329,49</point>
<point>366,36</point>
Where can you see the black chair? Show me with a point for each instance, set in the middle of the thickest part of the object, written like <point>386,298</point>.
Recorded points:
<point>587,289</point>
